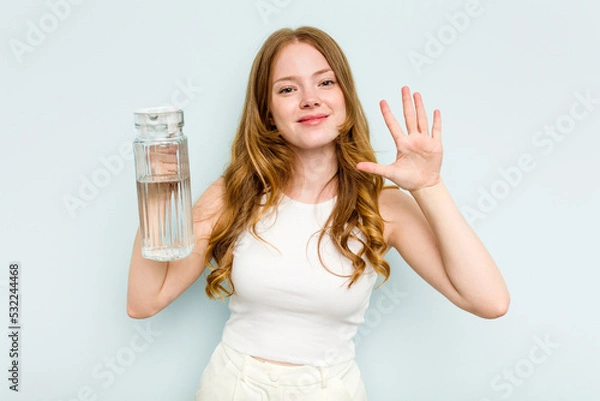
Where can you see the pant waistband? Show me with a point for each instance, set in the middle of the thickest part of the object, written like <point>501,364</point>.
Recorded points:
<point>282,375</point>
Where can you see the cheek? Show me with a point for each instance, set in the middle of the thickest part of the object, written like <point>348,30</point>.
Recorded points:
<point>342,109</point>
<point>337,98</point>
<point>276,121</point>
<point>281,113</point>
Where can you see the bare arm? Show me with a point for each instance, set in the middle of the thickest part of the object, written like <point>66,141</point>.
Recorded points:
<point>428,229</point>
<point>437,242</point>
<point>153,285</point>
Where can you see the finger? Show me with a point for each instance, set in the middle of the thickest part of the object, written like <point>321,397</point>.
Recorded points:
<point>391,123</point>
<point>423,125</point>
<point>375,168</point>
<point>436,128</point>
<point>409,111</point>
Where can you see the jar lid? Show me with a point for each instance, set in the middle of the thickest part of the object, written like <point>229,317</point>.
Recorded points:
<point>158,119</point>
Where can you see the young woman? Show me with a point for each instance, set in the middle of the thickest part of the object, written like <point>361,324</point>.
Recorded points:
<point>296,230</point>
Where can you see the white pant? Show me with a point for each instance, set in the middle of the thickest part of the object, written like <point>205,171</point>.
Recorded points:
<point>233,376</point>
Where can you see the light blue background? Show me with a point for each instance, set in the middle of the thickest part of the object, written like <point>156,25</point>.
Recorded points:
<point>67,104</point>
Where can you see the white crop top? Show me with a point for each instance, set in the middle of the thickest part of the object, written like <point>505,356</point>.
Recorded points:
<point>286,306</point>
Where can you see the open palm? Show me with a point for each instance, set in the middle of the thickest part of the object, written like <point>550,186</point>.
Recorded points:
<point>419,154</point>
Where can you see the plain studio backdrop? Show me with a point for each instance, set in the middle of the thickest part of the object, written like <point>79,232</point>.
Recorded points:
<point>518,86</point>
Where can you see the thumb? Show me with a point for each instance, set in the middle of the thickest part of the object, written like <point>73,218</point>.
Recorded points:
<point>374,168</point>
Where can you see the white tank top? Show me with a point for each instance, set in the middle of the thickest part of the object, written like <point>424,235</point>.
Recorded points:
<point>286,306</point>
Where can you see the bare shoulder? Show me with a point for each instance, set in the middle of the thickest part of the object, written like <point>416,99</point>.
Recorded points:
<point>207,208</point>
<point>399,211</point>
<point>395,203</point>
<point>390,196</point>
<point>212,196</point>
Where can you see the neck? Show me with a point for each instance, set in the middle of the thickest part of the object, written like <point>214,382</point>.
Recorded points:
<point>313,179</point>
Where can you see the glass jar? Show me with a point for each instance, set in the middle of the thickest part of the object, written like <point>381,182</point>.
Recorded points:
<point>163,184</point>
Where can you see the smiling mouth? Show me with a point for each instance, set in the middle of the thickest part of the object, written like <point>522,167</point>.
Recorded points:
<point>313,118</point>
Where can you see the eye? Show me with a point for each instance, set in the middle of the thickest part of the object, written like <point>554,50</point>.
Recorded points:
<point>328,82</point>
<point>285,89</point>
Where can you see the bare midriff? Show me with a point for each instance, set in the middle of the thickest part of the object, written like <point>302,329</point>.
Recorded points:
<point>274,362</point>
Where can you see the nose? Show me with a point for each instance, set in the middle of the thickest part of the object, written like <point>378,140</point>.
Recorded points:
<point>310,100</point>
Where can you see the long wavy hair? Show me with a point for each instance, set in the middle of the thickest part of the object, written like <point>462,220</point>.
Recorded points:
<point>262,163</point>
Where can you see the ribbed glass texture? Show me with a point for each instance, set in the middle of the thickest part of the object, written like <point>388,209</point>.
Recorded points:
<point>163,187</point>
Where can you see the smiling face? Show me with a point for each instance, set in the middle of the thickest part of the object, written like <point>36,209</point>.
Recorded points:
<point>307,104</point>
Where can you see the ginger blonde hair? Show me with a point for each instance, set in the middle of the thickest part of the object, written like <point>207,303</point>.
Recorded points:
<point>261,166</point>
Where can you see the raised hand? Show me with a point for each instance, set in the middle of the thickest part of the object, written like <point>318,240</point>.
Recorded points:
<point>419,154</point>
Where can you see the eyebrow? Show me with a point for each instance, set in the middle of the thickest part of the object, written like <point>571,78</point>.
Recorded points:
<point>291,78</point>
